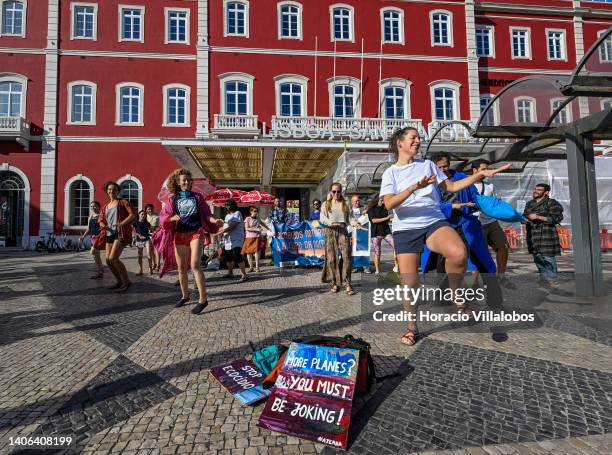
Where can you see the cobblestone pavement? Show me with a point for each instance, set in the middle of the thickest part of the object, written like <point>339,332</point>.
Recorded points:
<point>128,373</point>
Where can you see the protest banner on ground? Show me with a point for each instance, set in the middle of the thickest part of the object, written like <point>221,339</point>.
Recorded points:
<point>298,244</point>
<point>313,394</point>
<point>242,379</point>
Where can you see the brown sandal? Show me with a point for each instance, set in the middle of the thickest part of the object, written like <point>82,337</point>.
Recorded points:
<point>409,338</point>
<point>349,290</point>
<point>465,309</point>
<point>334,289</point>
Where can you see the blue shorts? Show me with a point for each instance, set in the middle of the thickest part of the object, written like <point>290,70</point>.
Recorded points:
<point>413,241</point>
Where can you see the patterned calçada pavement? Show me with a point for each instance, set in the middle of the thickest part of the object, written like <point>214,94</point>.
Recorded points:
<point>128,373</point>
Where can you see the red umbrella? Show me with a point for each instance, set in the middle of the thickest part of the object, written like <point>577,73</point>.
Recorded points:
<point>257,197</point>
<point>219,197</point>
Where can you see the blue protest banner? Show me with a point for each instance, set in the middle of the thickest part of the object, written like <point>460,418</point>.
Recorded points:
<point>298,244</point>
<point>361,246</point>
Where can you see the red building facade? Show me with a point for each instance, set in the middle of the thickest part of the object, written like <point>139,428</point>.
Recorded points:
<point>264,94</point>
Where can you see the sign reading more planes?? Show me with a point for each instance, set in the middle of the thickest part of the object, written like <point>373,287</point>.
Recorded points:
<point>313,394</point>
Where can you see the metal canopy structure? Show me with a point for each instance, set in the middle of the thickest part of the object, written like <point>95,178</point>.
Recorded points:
<point>538,112</point>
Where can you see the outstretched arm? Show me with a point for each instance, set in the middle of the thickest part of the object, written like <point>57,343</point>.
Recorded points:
<point>459,185</point>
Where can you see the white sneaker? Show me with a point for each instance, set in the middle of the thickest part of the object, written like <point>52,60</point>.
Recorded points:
<point>396,269</point>
<point>376,273</point>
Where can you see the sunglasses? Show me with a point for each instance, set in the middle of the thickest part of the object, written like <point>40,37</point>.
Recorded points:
<point>336,192</point>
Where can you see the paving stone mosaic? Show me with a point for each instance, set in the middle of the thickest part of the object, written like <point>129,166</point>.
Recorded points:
<point>458,396</point>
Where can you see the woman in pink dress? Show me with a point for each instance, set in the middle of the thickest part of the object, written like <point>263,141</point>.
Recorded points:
<point>252,226</point>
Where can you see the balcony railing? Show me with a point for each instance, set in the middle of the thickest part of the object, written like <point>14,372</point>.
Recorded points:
<point>236,124</point>
<point>330,127</point>
<point>15,128</point>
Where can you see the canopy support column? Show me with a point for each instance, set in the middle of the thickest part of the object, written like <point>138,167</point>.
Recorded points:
<point>583,208</point>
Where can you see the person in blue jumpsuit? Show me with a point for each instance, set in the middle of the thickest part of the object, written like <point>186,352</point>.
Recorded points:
<point>458,209</point>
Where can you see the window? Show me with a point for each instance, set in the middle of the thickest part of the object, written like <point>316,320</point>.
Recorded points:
<point>392,25</point>
<point>130,190</point>
<point>606,104</point>
<point>290,20</point>
<point>445,100</point>
<point>605,49</point>
<point>344,97</point>
<point>82,103</point>
<point>84,24</point>
<point>291,95</point>
<point>556,44</point>
<point>521,46</point>
<point>525,112</point>
<point>236,93</point>
<point>563,116</point>
<point>131,20</point>
<point>78,194</point>
<point>341,23</point>
<point>394,96</point>
<point>13,18</point>
<point>441,28</point>
<point>11,99</point>
<point>484,41</point>
<point>177,25</point>
<point>236,19</point>
<point>489,118</point>
<point>176,105</point>
<point>130,100</point>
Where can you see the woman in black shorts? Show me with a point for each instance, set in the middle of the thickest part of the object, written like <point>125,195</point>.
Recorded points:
<point>409,189</point>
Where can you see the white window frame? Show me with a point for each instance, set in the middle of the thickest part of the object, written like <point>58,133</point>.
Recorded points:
<point>563,44</point>
<point>165,90</point>
<point>527,43</point>
<point>451,41</point>
<point>142,9</point>
<point>494,109</point>
<point>401,24</point>
<point>23,25</point>
<point>247,17</point>
<point>395,82</point>
<point>94,36</point>
<point>445,84</point>
<point>238,77</point>
<point>280,20</point>
<point>291,79</point>
<point>345,80</point>
<point>491,30</point>
<point>567,108</point>
<point>94,89</point>
<point>603,102</point>
<point>118,88</point>
<point>169,10</point>
<point>137,181</point>
<point>19,78</point>
<point>351,38</point>
<point>67,206</point>
<point>601,59</point>
<point>534,108</point>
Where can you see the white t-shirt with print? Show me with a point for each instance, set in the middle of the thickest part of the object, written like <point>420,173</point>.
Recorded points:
<point>422,208</point>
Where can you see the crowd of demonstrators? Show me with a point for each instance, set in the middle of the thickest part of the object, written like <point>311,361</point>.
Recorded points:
<point>115,222</point>
<point>279,213</point>
<point>253,228</point>
<point>153,219</point>
<point>185,220</point>
<point>142,235</point>
<point>491,229</point>
<point>458,208</point>
<point>409,189</point>
<point>380,230</point>
<point>316,213</point>
<point>543,214</point>
<point>93,229</point>
<point>337,216</point>
<point>233,240</point>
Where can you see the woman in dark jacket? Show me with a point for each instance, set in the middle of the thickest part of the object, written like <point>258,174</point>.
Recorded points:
<point>379,221</point>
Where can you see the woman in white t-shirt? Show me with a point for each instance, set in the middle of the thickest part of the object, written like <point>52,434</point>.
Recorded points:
<point>409,189</point>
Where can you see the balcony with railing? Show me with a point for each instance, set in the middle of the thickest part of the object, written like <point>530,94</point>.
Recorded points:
<point>235,125</point>
<point>15,129</point>
<point>334,127</point>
